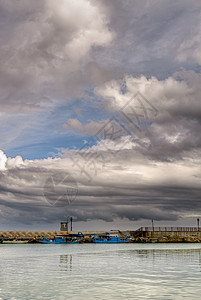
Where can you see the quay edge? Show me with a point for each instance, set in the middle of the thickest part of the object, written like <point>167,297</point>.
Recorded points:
<point>143,234</point>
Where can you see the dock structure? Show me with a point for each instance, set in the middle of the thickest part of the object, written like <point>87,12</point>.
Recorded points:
<point>143,234</point>
<point>29,235</point>
<point>25,235</point>
<point>168,234</point>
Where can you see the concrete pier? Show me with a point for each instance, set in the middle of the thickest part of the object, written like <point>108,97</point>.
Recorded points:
<point>143,234</point>
<point>168,234</point>
<point>29,235</point>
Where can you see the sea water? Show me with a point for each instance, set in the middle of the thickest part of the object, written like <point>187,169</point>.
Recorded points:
<point>104,271</point>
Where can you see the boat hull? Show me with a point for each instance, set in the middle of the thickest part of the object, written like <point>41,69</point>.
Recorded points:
<point>107,239</point>
<point>110,242</point>
<point>60,240</point>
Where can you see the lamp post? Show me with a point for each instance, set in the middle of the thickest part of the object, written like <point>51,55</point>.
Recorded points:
<point>67,223</point>
<point>152,221</point>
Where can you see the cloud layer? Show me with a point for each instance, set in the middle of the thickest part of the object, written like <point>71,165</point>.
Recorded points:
<point>119,83</point>
<point>44,49</point>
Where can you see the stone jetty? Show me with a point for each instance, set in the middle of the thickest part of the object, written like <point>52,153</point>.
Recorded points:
<point>143,234</point>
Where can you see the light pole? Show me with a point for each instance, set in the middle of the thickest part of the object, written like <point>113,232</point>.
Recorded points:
<point>67,223</point>
<point>152,221</point>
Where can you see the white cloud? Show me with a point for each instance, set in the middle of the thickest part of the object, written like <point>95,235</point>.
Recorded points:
<point>3,159</point>
<point>14,162</point>
<point>90,128</point>
<point>86,23</point>
<point>81,24</point>
<point>160,93</point>
<point>10,163</point>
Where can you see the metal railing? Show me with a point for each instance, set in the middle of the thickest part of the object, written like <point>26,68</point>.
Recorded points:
<point>168,229</point>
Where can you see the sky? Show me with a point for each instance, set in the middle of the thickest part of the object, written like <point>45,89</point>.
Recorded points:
<point>100,114</point>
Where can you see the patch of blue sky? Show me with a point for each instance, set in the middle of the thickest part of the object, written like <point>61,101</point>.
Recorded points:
<point>42,134</point>
<point>49,148</point>
<point>89,109</point>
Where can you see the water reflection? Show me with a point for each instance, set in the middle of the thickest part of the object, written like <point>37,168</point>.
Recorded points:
<point>153,257</point>
<point>66,262</point>
<point>104,272</point>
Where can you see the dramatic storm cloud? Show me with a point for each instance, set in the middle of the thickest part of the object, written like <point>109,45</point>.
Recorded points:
<point>100,112</point>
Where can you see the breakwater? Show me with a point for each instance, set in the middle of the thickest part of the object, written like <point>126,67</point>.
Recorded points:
<point>168,234</point>
<point>143,234</point>
<point>30,235</point>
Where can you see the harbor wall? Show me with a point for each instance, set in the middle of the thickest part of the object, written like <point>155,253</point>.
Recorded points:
<point>28,235</point>
<point>160,235</point>
<point>169,234</point>
<point>180,236</point>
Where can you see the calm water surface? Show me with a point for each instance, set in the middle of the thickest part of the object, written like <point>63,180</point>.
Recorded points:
<point>90,271</point>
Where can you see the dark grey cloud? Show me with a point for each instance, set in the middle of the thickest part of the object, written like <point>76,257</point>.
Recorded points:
<point>171,107</point>
<point>149,34</point>
<point>44,49</point>
<point>41,56</point>
<point>52,52</point>
<point>130,187</point>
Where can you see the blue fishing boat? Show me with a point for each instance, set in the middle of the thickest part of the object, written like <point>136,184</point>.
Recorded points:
<point>55,240</point>
<point>108,239</point>
<point>69,239</point>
